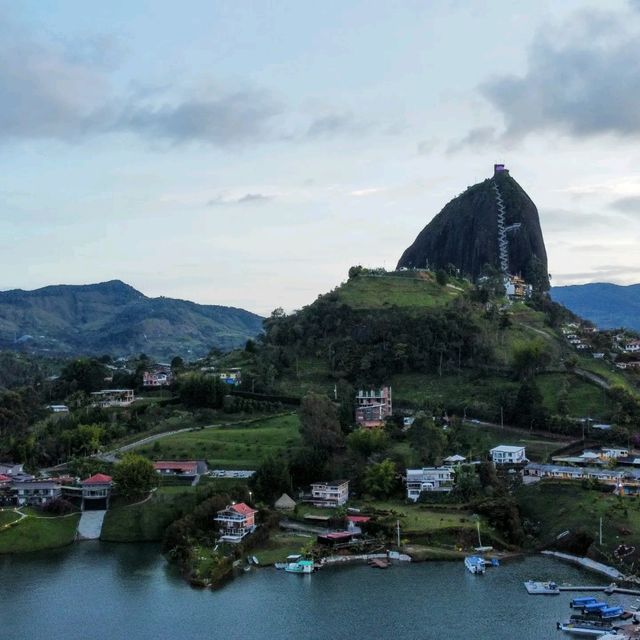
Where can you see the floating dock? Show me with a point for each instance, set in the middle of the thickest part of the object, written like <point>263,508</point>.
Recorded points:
<point>552,588</point>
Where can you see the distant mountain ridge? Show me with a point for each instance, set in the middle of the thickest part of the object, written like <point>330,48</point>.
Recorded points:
<point>607,305</point>
<point>113,317</point>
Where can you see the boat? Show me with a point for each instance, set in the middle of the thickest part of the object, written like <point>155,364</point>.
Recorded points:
<point>611,613</point>
<point>298,564</point>
<point>255,560</point>
<point>549,588</point>
<point>578,603</point>
<point>587,628</point>
<point>594,607</point>
<point>280,565</point>
<point>475,564</point>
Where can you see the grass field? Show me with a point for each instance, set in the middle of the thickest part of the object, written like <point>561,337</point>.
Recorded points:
<point>236,447</point>
<point>280,546</point>
<point>584,398</point>
<point>418,290</point>
<point>557,506</point>
<point>35,534</point>
<point>147,522</point>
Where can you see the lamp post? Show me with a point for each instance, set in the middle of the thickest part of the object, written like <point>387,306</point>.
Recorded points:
<point>250,496</point>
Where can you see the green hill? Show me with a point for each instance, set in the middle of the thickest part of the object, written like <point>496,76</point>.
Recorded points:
<point>447,347</point>
<point>112,317</point>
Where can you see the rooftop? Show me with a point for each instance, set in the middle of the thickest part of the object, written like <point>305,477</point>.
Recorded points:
<point>98,478</point>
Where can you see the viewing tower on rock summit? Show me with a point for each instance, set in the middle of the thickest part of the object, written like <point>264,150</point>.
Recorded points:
<point>492,224</point>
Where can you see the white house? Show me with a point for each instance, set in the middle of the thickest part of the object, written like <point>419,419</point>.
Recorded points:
<point>508,454</point>
<point>330,494</point>
<point>632,347</point>
<point>428,479</point>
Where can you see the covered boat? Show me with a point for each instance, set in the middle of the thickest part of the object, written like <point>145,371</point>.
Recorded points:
<point>300,565</point>
<point>578,603</point>
<point>475,564</point>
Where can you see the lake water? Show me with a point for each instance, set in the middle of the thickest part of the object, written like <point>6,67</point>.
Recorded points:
<point>98,591</point>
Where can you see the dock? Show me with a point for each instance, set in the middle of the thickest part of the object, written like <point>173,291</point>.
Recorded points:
<point>552,588</point>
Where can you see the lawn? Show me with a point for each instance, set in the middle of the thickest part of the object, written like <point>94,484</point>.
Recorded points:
<point>418,290</point>
<point>147,522</point>
<point>419,519</point>
<point>233,447</point>
<point>8,516</point>
<point>34,534</point>
<point>280,546</point>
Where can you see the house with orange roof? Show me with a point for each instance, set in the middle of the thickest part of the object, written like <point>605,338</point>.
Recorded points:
<point>236,521</point>
<point>96,492</point>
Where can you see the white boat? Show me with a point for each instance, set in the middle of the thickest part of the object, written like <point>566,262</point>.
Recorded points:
<point>542,588</point>
<point>587,628</point>
<point>475,564</point>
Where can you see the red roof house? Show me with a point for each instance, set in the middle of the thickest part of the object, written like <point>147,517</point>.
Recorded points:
<point>176,467</point>
<point>237,521</point>
<point>98,478</point>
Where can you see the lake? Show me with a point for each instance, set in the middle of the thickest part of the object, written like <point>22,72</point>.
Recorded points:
<point>99,591</point>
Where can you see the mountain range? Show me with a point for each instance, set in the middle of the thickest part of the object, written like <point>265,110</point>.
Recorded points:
<point>607,305</point>
<point>114,318</point>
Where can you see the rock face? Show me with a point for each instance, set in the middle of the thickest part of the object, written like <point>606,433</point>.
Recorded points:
<point>468,233</point>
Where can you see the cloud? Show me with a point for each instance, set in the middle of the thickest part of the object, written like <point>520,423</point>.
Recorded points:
<point>572,220</point>
<point>426,147</point>
<point>63,90</point>
<point>248,198</point>
<point>603,273</point>
<point>236,118</point>
<point>477,138</point>
<point>582,79</point>
<point>46,92</point>
<point>627,205</point>
<point>336,124</point>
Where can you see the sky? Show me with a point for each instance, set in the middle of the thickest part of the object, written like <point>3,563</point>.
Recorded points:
<point>248,153</point>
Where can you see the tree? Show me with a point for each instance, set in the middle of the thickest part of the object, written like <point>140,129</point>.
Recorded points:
<point>177,364</point>
<point>427,439</point>
<point>199,390</point>
<point>134,475</point>
<point>83,374</point>
<point>271,480</point>
<point>530,357</point>
<point>441,277</point>
<point>367,441</point>
<point>529,408</point>
<point>380,479</point>
<point>320,427</point>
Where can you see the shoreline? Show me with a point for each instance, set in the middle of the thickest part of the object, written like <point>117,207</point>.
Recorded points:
<point>591,565</point>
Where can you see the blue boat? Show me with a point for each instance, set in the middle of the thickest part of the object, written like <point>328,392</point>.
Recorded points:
<point>475,564</point>
<point>610,613</point>
<point>595,607</point>
<point>578,603</point>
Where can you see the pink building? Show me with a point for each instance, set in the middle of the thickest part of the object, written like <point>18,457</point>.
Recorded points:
<point>236,521</point>
<point>373,406</point>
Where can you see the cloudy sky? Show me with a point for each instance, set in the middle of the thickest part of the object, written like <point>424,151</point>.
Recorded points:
<point>247,153</point>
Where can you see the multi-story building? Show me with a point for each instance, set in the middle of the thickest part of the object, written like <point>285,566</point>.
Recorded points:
<point>236,522</point>
<point>154,379</point>
<point>96,491</point>
<point>508,454</point>
<point>428,479</point>
<point>330,494</point>
<point>36,492</point>
<point>373,406</point>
